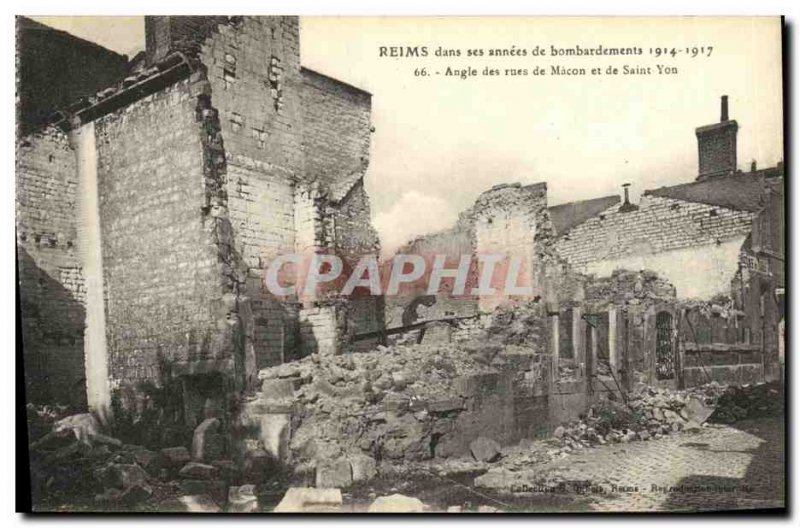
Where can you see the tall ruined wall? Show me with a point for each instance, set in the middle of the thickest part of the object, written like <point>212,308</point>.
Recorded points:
<point>163,278</point>
<point>50,278</point>
<point>355,237</point>
<point>336,130</point>
<point>512,220</point>
<point>336,139</point>
<point>253,67</point>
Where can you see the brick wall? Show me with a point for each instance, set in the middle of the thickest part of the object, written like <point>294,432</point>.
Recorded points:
<point>716,146</point>
<point>253,68</point>
<point>163,282</point>
<point>50,279</point>
<point>200,185</point>
<point>662,235</point>
<point>336,130</point>
<point>513,220</point>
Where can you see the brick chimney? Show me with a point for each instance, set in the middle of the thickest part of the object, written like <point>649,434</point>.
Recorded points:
<point>157,38</point>
<point>716,145</point>
<point>627,206</point>
<point>164,34</point>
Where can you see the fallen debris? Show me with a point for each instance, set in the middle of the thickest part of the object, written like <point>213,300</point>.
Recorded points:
<point>485,449</point>
<point>310,500</point>
<point>396,503</point>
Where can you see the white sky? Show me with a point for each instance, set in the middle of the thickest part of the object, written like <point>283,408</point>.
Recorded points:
<point>441,141</point>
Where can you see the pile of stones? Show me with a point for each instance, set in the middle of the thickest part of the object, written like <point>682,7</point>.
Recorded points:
<point>748,401</point>
<point>350,411</point>
<point>78,466</point>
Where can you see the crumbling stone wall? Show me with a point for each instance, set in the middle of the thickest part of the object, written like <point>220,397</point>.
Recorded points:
<point>253,69</point>
<point>662,235</point>
<point>163,274</point>
<point>50,277</point>
<point>453,242</point>
<point>336,130</point>
<point>513,220</point>
<point>201,167</point>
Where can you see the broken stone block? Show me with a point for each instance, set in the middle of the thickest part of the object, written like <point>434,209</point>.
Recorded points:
<point>399,381</point>
<point>277,389</point>
<point>559,432</point>
<point>175,456</point>
<point>671,416</point>
<point>437,334</point>
<point>226,468</point>
<point>697,411</point>
<point>454,509</point>
<point>274,434</point>
<point>692,427</point>
<point>363,467</point>
<point>201,437</point>
<point>337,474</point>
<point>83,426</point>
<point>307,500</point>
<point>136,494</point>
<point>446,405</point>
<point>197,470</point>
<point>242,499</point>
<point>396,503</point>
<point>99,438</point>
<point>485,449</point>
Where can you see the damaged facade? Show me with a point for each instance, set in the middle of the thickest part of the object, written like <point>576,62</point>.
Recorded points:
<point>716,318</point>
<point>147,213</point>
<point>622,305</point>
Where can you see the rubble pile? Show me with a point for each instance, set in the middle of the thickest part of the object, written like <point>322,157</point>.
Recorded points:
<point>388,405</point>
<point>518,324</point>
<point>748,401</point>
<point>76,464</point>
<point>652,413</point>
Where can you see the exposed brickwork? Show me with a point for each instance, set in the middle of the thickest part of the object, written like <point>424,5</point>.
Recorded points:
<point>716,146</point>
<point>264,158</point>
<point>52,300</point>
<point>161,267</point>
<point>336,131</point>
<point>660,224</point>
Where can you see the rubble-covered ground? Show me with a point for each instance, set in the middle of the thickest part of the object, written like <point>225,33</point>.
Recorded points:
<point>384,404</point>
<point>372,428</point>
<point>646,414</point>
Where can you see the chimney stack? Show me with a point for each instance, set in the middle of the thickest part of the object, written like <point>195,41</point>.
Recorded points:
<point>716,145</point>
<point>627,206</point>
<point>165,34</point>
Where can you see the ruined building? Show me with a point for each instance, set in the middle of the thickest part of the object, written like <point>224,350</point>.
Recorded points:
<point>149,207</point>
<point>682,288</point>
<point>711,301</point>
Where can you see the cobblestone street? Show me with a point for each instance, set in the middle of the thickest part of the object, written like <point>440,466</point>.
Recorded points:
<point>720,467</point>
